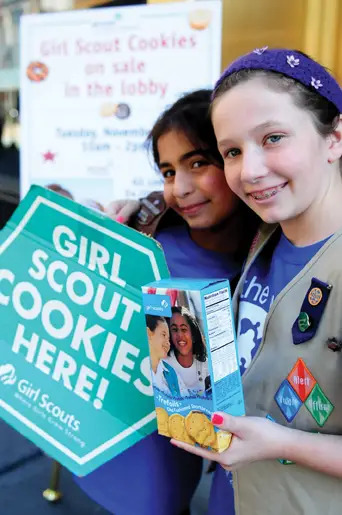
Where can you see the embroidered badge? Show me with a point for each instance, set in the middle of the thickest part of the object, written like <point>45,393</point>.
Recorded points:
<point>301,379</point>
<point>300,387</point>
<point>319,406</point>
<point>315,296</point>
<point>287,400</point>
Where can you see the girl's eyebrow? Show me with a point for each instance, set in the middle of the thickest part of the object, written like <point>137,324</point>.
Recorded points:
<point>265,125</point>
<point>262,126</point>
<point>187,155</point>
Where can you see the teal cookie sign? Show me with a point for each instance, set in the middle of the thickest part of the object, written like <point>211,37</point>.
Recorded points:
<point>74,366</point>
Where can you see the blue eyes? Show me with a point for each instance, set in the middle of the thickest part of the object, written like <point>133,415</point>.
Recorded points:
<point>274,138</point>
<point>269,140</point>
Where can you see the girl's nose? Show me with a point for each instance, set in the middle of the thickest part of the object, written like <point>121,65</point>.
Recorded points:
<point>253,166</point>
<point>183,184</point>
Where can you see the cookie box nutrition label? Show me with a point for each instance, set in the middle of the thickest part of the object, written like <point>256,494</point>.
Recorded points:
<point>221,334</point>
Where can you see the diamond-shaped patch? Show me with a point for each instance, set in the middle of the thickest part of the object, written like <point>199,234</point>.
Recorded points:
<point>301,379</point>
<point>287,400</point>
<point>319,405</point>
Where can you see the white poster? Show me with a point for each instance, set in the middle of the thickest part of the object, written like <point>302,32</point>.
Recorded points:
<point>93,83</point>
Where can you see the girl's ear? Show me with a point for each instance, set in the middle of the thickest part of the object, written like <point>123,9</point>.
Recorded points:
<point>335,142</point>
<point>149,332</point>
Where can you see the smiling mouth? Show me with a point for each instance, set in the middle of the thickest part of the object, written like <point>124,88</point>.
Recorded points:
<point>193,208</point>
<point>267,193</point>
<point>181,343</point>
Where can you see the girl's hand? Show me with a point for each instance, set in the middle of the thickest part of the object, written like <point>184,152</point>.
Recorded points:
<point>254,439</point>
<point>122,210</point>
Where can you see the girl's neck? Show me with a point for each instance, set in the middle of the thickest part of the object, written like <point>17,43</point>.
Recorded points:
<point>185,361</point>
<point>154,363</point>
<point>224,237</point>
<point>319,221</point>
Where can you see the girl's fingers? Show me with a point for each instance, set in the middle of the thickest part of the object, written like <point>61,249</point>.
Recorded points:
<point>128,209</point>
<point>204,453</point>
<point>226,422</point>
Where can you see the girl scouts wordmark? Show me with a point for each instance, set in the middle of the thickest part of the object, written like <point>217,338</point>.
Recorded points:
<point>74,331</point>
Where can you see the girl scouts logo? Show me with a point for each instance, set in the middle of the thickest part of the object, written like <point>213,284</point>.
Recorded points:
<point>7,374</point>
<point>300,387</point>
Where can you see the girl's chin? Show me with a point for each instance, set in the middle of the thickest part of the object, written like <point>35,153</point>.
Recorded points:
<point>269,216</point>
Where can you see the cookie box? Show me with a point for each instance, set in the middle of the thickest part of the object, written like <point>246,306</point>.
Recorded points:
<point>193,356</point>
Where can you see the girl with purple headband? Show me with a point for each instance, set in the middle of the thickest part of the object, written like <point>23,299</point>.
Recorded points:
<point>277,119</point>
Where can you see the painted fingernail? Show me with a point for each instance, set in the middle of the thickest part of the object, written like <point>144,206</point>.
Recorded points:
<point>217,419</point>
<point>120,219</point>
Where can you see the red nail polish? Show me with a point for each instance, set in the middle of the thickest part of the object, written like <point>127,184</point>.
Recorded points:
<point>217,419</point>
<point>120,219</point>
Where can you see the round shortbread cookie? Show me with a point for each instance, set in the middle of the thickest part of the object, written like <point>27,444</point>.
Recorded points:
<point>108,109</point>
<point>222,441</point>
<point>200,428</point>
<point>199,19</point>
<point>162,422</point>
<point>177,429</point>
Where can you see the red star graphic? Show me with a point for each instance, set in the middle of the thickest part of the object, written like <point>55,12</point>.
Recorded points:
<point>49,156</point>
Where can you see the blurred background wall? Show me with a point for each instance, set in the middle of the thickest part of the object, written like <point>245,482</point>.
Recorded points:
<point>313,26</point>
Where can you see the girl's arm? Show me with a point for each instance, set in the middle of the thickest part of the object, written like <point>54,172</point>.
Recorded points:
<point>256,438</point>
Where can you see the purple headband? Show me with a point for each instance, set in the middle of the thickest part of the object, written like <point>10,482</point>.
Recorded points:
<point>292,64</point>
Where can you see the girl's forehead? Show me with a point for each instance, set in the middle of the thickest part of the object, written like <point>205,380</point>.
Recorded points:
<point>252,104</point>
<point>180,318</point>
<point>255,91</point>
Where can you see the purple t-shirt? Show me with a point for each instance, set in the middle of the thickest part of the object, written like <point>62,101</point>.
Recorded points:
<point>153,477</point>
<point>187,259</point>
<point>268,275</point>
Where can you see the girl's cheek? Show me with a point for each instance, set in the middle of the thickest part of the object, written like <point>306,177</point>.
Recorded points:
<point>214,182</point>
<point>232,182</point>
<point>168,195</point>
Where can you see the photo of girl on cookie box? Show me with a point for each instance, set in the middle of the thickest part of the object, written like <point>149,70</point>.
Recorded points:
<point>189,332</point>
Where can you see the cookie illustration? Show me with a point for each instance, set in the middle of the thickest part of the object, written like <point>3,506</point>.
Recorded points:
<point>199,19</point>
<point>123,111</point>
<point>162,422</point>
<point>108,109</point>
<point>177,429</point>
<point>222,441</point>
<point>37,71</point>
<point>200,428</point>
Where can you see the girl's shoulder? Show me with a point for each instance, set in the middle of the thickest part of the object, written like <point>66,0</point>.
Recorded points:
<point>263,234</point>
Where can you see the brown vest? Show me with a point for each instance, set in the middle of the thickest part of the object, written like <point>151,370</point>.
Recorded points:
<point>269,487</point>
<point>154,214</point>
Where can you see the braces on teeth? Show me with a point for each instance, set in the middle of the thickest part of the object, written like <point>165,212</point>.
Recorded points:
<point>266,195</point>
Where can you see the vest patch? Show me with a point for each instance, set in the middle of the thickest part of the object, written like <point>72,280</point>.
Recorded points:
<point>287,400</point>
<point>319,406</point>
<point>301,379</point>
<point>300,387</point>
<point>306,324</point>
